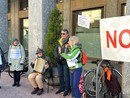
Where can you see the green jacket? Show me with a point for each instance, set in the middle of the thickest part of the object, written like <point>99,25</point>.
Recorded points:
<point>73,57</point>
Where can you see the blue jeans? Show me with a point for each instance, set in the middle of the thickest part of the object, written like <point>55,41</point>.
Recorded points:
<point>74,81</point>
<point>64,76</point>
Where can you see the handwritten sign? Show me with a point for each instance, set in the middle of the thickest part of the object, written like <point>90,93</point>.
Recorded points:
<point>84,21</point>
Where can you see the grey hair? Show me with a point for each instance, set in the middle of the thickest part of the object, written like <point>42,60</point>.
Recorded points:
<point>74,39</point>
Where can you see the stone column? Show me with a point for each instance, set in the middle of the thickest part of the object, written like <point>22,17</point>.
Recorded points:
<point>111,8</point>
<point>39,11</point>
<point>126,67</point>
<point>15,19</point>
<point>3,25</point>
<point>67,15</point>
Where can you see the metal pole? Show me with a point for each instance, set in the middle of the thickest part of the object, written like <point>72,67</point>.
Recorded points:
<point>0,76</point>
<point>97,86</point>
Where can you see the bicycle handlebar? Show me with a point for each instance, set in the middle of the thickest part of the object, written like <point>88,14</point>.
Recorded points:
<point>95,62</point>
<point>107,62</point>
<point>5,52</point>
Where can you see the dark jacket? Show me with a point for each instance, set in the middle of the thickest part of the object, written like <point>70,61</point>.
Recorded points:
<point>3,66</point>
<point>61,43</point>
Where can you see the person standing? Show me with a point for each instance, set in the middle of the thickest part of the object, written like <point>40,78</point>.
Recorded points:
<point>73,58</point>
<point>2,61</point>
<point>16,57</point>
<point>63,69</point>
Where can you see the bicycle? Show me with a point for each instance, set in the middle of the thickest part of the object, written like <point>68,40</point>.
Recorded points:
<point>25,68</point>
<point>6,66</point>
<point>90,80</point>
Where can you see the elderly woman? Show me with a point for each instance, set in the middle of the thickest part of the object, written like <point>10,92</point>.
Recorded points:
<point>73,58</point>
<point>16,57</point>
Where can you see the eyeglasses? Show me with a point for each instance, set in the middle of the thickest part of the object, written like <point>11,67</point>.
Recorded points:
<point>63,33</point>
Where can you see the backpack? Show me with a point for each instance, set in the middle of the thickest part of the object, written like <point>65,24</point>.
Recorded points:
<point>81,87</point>
<point>84,58</point>
<point>81,84</point>
<point>113,84</point>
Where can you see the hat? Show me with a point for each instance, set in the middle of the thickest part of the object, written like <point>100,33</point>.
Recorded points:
<point>39,51</point>
<point>15,39</point>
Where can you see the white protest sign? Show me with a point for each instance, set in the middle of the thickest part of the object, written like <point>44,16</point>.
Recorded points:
<point>15,53</point>
<point>0,60</point>
<point>115,38</point>
<point>84,21</point>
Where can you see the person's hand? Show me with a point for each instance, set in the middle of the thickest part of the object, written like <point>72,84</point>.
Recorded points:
<point>33,62</point>
<point>32,65</point>
<point>59,49</point>
<point>9,64</point>
<point>46,65</point>
<point>21,63</point>
<point>67,45</point>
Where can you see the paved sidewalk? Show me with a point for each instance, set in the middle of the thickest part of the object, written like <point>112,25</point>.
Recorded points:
<point>7,91</point>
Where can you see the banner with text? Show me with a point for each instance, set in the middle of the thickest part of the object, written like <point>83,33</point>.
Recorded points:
<point>115,38</point>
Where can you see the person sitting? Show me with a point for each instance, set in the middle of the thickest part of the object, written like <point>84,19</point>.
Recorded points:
<point>39,68</point>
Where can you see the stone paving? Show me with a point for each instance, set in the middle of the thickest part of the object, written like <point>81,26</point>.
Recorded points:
<point>7,91</point>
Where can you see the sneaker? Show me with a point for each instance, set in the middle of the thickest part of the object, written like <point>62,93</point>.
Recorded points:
<point>66,93</point>
<point>59,91</point>
<point>35,90</point>
<point>40,91</point>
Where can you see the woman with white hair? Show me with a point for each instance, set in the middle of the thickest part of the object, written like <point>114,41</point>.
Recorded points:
<point>16,57</point>
<point>73,58</point>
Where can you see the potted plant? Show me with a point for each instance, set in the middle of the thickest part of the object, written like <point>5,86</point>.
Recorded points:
<point>52,36</point>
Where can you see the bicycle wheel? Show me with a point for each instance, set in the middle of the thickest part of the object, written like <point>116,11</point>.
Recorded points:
<point>117,73</point>
<point>90,83</point>
<point>10,73</point>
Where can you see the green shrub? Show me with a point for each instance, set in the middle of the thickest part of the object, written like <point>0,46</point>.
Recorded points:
<point>53,34</point>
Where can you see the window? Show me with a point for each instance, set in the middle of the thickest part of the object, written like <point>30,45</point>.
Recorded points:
<point>89,38</point>
<point>24,33</point>
<point>59,1</point>
<point>9,6</point>
<point>123,9</point>
<point>23,4</point>
<point>9,31</point>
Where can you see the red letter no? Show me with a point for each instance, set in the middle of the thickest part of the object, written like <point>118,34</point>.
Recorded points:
<point>120,38</point>
<point>109,38</point>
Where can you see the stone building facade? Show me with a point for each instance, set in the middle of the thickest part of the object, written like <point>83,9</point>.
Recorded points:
<point>26,19</point>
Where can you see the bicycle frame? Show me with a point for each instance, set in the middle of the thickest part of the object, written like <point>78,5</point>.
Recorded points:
<point>98,78</point>
<point>97,87</point>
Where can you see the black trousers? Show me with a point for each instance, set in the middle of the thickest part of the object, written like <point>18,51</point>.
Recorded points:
<point>17,77</point>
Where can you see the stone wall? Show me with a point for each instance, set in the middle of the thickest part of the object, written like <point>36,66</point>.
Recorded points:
<point>126,67</point>
<point>3,25</point>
